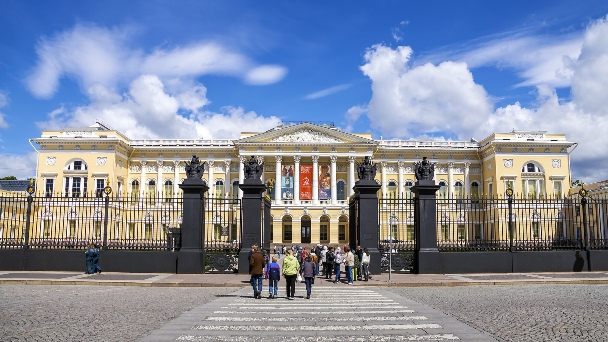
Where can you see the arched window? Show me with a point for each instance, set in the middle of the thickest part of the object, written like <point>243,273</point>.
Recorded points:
<point>531,167</point>
<point>324,229</point>
<point>151,187</point>
<point>392,189</point>
<point>442,190</point>
<point>474,190</point>
<point>168,190</point>
<point>135,190</point>
<point>235,189</point>
<point>287,229</point>
<point>458,192</point>
<point>219,188</point>
<point>341,190</point>
<point>77,181</point>
<point>532,180</point>
<point>407,188</point>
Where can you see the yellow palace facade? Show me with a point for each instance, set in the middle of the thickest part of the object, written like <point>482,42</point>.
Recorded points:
<point>309,169</point>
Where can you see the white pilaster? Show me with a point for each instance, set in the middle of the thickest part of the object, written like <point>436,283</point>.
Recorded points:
<point>351,175</point>
<point>277,180</point>
<point>227,180</point>
<point>241,173</point>
<point>315,179</point>
<point>159,179</point>
<point>384,188</point>
<point>175,177</point>
<point>142,183</point>
<point>334,189</point>
<point>296,180</point>
<point>467,181</point>
<point>451,180</point>
<point>210,178</point>
<point>400,167</point>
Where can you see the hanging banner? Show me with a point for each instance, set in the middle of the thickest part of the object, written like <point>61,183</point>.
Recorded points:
<point>305,182</point>
<point>324,182</point>
<point>287,182</point>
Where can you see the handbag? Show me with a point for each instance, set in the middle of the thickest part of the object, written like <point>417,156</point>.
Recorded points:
<point>299,278</point>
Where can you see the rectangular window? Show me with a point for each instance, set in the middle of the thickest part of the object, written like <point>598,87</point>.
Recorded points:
<point>76,186</point>
<point>559,229</point>
<point>535,230</point>
<point>394,233</point>
<point>72,228</point>
<point>233,235</point>
<point>342,232</point>
<point>148,231</point>
<point>323,234</point>
<point>490,190</point>
<point>492,232</point>
<point>478,231</point>
<point>217,231</point>
<point>49,187</point>
<point>287,232</point>
<point>47,228</point>
<point>131,231</point>
<point>97,229</point>
<point>67,186</point>
<point>445,232</point>
<point>12,236</point>
<point>410,232</point>
<point>78,165</point>
<point>99,185</point>
<point>461,232</point>
<point>557,189</point>
<point>85,183</point>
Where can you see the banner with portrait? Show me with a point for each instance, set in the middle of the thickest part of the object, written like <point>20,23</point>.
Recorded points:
<point>287,182</point>
<point>324,182</point>
<point>305,182</point>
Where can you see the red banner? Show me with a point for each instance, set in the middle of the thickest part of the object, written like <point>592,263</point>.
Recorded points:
<point>305,182</point>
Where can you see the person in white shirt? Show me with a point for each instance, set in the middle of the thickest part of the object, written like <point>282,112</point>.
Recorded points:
<point>365,264</point>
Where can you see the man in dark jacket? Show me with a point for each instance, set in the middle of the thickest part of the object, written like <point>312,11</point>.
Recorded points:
<point>256,266</point>
<point>359,253</point>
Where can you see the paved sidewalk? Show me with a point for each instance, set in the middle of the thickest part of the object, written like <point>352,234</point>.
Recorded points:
<point>237,280</point>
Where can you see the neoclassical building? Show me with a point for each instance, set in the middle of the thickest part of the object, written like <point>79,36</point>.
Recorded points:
<point>309,169</point>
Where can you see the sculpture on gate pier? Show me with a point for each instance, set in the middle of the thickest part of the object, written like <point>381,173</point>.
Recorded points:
<point>253,169</point>
<point>194,169</point>
<point>366,170</point>
<point>424,170</point>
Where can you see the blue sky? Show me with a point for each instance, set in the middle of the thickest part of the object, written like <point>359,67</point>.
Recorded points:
<point>399,69</point>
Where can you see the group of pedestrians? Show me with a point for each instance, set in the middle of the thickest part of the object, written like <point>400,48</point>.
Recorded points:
<point>92,259</point>
<point>305,265</point>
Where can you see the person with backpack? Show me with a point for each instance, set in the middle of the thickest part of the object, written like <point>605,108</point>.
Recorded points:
<point>274,275</point>
<point>337,264</point>
<point>308,272</point>
<point>329,263</point>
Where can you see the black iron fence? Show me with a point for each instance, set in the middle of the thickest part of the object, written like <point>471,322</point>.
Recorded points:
<point>114,222</point>
<point>222,235</point>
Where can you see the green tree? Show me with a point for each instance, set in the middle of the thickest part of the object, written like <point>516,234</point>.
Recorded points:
<point>9,178</point>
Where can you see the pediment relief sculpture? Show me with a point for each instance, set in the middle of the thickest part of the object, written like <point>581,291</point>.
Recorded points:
<point>306,135</point>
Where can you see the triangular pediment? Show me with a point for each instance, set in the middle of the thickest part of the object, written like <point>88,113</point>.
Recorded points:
<point>305,133</point>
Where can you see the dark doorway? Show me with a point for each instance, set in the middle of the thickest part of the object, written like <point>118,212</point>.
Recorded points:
<point>305,230</point>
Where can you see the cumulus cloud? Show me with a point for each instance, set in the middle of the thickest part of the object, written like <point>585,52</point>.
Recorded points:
<point>95,55</point>
<point>444,100</point>
<point>352,115</point>
<point>20,166</point>
<point>3,102</point>
<point>149,111</point>
<point>327,92</point>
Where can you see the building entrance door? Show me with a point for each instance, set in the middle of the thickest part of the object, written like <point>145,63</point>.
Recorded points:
<point>305,231</point>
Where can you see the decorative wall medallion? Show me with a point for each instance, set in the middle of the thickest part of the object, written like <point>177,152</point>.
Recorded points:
<point>160,155</point>
<point>218,168</point>
<point>457,169</point>
<point>400,156</point>
<point>93,147</point>
<point>135,168</point>
<point>489,166</point>
<point>51,161</point>
<point>563,150</point>
<point>409,169</point>
<point>441,169</point>
<point>556,163</point>
<point>111,147</point>
<point>241,149</point>
<point>499,150</point>
<point>467,157</point>
<point>297,149</point>
<point>143,155</point>
<point>547,150</point>
<point>101,161</point>
<point>508,163</point>
<point>151,168</point>
<point>77,147</point>
<point>315,149</point>
<point>475,170</point>
<point>60,147</point>
<point>120,164</point>
<point>434,156</point>
<point>306,135</point>
<point>531,150</point>
<point>168,168</point>
<point>333,149</point>
<point>341,167</point>
<point>176,155</point>
<point>278,149</point>
<point>234,167</point>
<point>43,147</point>
<point>417,156</point>
<point>450,156</point>
<point>391,168</point>
<point>383,156</point>
<point>516,150</point>
<point>210,155</point>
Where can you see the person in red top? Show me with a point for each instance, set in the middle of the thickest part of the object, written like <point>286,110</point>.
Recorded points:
<point>256,266</point>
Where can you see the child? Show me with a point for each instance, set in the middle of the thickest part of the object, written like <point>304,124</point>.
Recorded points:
<point>274,275</point>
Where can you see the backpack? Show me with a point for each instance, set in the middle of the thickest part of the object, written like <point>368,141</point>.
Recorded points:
<point>329,257</point>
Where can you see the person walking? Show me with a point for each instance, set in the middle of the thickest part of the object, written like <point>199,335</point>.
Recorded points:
<point>290,269</point>
<point>89,253</point>
<point>365,264</point>
<point>349,262</point>
<point>96,268</point>
<point>337,264</point>
<point>329,263</point>
<point>359,254</point>
<point>308,272</point>
<point>318,250</point>
<point>256,266</point>
<point>323,259</point>
<point>274,275</point>
<point>266,257</point>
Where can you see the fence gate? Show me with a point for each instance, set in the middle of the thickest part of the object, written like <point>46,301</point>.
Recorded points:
<point>397,233</point>
<point>223,231</point>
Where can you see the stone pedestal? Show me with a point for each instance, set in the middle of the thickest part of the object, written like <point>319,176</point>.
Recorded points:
<point>426,259</point>
<point>367,236</point>
<point>190,258</point>
<point>252,203</point>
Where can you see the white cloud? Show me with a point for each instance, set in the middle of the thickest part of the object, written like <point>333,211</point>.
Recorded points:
<point>95,55</point>
<point>20,166</point>
<point>426,99</point>
<point>407,101</point>
<point>149,111</point>
<point>352,115</point>
<point>327,92</point>
<point>3,102</point>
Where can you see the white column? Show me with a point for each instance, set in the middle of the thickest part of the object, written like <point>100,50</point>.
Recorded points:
<point>241,173</point>
<point>159,178</point>
<point>296,180</point>
<point>227,180</point>
<point>451,179</point>
<point>142,184</point>
<point>384,189</point>
<point>277,180</point>
<point>400,166</point>
<point>467,181</point>
<point>210,178</point>
<point>315,179</point>
<point>351,175</point>
<point>334,192</point>
<point>175,177</point>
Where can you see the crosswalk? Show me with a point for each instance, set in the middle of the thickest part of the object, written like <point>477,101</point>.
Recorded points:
<point>334,313</point>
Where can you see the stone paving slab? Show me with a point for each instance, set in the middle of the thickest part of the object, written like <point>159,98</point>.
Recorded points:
<point>334,313</point>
